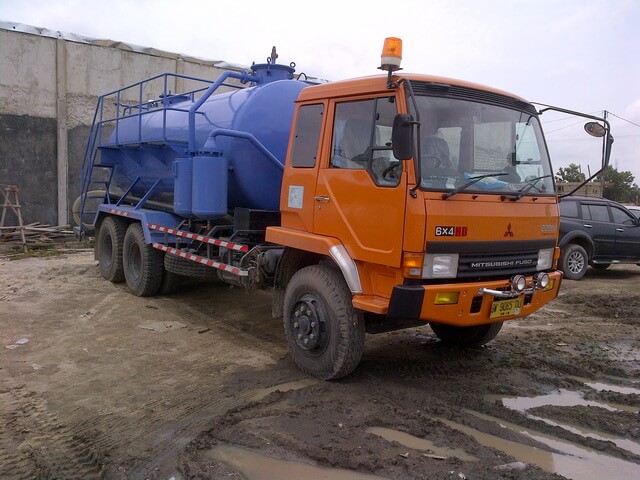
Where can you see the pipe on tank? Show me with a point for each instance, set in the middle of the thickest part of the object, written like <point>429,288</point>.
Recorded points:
<point>244,77</point>
<point>225,132</point>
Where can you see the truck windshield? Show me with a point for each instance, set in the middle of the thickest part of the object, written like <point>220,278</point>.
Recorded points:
<point>463,140</point>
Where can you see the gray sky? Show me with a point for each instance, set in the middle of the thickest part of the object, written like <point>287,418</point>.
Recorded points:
<point>578,54</point>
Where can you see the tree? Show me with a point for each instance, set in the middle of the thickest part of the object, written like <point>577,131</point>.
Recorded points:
<point>619,186</point>
<point>571,173</point>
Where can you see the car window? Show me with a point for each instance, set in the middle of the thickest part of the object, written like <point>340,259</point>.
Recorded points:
<point>599,213</point>
<point>569,209</point>
<point>620,216</point>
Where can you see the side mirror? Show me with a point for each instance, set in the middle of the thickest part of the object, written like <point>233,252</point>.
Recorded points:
<point>402,136</point>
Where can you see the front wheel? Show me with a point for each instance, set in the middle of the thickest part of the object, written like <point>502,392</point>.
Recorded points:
<point>574,261</point>
<point>473,336</point>
<point>143,264</point>
<point>324,332</point>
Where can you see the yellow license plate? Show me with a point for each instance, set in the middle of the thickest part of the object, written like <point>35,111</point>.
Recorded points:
<point>505,308</point>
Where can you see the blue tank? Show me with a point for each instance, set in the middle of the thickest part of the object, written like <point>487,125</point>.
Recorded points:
<point>237,152</point>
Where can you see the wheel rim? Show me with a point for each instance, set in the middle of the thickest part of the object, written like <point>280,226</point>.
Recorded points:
<point>308,323</point>
<point>576,262</point>
<point>134,258</point>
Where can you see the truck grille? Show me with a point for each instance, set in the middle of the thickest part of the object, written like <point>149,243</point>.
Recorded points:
<point>474,265</point>
<point>493,259</point>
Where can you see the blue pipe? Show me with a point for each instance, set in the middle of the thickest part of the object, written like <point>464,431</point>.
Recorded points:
<point>223,132</point>
<point>244,77</point>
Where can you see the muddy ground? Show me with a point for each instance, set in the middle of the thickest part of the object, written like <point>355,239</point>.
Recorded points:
<point>96,383</point>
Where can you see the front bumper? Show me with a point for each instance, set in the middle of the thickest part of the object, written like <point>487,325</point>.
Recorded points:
<point>473,305</point>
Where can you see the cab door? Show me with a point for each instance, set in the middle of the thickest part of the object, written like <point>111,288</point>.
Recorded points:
<point>361,188</point>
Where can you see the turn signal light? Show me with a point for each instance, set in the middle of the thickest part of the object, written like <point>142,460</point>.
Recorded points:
<point>412,265</point>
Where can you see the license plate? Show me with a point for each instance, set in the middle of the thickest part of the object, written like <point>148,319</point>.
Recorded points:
<point>505,308</point>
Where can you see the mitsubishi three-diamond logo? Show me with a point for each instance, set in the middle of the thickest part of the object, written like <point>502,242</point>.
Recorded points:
<point>508,233</point>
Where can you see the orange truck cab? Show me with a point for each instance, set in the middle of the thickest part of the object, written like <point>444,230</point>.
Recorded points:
<point>435,200</point>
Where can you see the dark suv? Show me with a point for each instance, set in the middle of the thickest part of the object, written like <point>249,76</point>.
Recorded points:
<point>596,232</point>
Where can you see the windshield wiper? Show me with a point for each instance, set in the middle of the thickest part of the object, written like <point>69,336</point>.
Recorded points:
<point>471,182</point>
<point>530,184</point>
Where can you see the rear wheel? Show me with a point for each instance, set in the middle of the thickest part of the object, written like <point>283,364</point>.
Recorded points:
<point>574,262</point>
<point>109,248</point>
<point>143,264</point>
<point>473,336</point>
<point>188,268</point>
<point>324,332</point>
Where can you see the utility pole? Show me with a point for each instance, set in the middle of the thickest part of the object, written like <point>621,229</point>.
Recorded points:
<point>602,182</point>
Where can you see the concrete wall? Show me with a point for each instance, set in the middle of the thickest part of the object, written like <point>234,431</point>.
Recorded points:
<point>49,87</point>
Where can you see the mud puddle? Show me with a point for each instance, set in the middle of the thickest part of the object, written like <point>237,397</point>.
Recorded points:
<point>421,444</point>
<point>284,387</point>
<point>559,398</point>
<point>564,458</point>
<point>255,466</point>
<point>575,459</point>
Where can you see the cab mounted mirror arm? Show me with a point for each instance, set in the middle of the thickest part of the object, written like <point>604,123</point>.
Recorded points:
<point>598,127</point>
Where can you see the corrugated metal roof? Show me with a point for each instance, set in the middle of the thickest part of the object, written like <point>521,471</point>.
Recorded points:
<point>102,42</point>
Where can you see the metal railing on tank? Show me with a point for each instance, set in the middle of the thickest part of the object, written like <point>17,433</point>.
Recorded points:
<point>119,119</point>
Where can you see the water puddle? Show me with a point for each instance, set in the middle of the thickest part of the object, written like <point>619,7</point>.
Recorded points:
<point>567,398</point>
<point>569,460</point>
<point>604,387</point>
<point>559,398</point>
<point>421,444</point>
<point>255,466</point>
<point>284,387</point>
<point>623,443</point>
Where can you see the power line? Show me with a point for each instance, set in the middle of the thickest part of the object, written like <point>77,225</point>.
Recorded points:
<point>562,128</point>
<point>628,121</point>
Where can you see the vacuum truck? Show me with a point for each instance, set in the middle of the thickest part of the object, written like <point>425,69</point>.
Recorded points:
<point>365,205</point>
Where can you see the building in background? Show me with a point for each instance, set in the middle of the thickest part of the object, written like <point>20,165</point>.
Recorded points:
<point>49,85</point>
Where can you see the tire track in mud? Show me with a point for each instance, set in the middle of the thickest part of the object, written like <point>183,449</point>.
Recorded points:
<point>36,444</point>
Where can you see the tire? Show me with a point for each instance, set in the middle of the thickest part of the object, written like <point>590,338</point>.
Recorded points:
<point>109,246</point>
<point>601,266</point>
<point>574,261</point>
<point>473,336</point>
<point>143,264</point>
<point>324,332</point>
<point>93,198</point>
<point>188,268</point>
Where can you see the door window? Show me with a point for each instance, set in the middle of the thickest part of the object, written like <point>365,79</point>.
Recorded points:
<point>598,213</point>
<point>362,139</point>
<point>622,217</point>
<point>307,136</point>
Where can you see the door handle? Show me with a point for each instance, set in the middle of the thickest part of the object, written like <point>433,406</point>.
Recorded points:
<point>619,229</point>
<point>586,225</point>
<point>322,199</point>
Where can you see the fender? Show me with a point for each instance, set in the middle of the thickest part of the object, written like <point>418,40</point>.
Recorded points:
<point>329,246</point>
<point>582,238</point>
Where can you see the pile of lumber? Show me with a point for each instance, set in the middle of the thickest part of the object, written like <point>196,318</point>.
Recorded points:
<point>34,234</point>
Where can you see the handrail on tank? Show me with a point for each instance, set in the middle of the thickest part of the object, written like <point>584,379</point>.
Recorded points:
<point>141,107</point>
<point>244,77</point>
<point>224,132</point>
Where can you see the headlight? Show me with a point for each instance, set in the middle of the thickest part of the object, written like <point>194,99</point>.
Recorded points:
<point>519,283</point>
<point>545,259</point>
<point>542,280</point>
<point>439,265</point>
